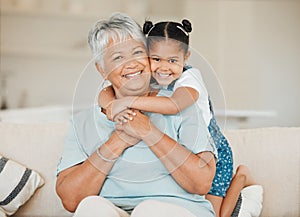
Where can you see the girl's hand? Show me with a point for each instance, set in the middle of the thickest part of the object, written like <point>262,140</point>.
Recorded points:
<point>124,116</point>
<point>117,106</point>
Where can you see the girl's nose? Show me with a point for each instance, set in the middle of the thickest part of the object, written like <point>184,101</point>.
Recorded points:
<point>164,66</point>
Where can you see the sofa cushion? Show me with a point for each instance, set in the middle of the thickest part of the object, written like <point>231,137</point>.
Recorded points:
<point>2,213</point>
<point>273,156</point>
<point>18,184</point>
<point>38,146</point>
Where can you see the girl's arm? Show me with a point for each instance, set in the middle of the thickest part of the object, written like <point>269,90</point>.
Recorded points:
<point>105,97</point>
<point>182,98</point>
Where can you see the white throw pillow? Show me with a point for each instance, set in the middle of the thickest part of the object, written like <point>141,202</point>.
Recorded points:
<point>250,202</point>
<point>17,185</point>
<point>2,213</point>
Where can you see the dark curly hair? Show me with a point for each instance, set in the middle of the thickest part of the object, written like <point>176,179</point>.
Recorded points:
<point>162,30</point>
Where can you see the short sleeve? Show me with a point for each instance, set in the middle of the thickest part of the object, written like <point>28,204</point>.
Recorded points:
<point>191,78</point>
<point>72,153</point>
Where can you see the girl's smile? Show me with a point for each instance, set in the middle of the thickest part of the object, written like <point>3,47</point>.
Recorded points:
<point>167,59</point>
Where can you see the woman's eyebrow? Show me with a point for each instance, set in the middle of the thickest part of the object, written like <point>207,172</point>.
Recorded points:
<point>139,46</point>
<point>114,53</point>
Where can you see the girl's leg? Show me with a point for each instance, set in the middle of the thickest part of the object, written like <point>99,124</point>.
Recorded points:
<point>216,202</point>
<point>241,179</point>
<point>95,206</point>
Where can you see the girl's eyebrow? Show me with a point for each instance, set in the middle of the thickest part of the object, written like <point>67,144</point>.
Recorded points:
<point>171,57</point>
<point>154,55</point>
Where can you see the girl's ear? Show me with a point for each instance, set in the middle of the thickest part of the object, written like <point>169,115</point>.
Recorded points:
<point>100,70</point>
<point>187,56</point>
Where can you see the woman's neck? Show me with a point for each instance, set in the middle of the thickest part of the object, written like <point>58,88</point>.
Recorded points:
<point>119,95</point>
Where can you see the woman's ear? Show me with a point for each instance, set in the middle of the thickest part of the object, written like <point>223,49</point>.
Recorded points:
<point>100,70</point>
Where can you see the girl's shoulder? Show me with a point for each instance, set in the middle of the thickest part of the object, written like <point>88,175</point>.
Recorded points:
<point>189,71</point>
<point>187,67</point>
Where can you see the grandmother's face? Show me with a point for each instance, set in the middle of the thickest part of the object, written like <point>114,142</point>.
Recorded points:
<point>126,66</point>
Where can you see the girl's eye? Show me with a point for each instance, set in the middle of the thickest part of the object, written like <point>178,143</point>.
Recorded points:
<point>155,59</point>
<point>172,61</point>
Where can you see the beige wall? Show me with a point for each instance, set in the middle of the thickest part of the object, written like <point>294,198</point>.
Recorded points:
<point>254,47</point>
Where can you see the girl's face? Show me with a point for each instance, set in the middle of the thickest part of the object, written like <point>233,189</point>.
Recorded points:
<point>167,59</point>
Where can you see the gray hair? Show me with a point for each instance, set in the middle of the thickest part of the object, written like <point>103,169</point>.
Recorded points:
<point>118,28</point>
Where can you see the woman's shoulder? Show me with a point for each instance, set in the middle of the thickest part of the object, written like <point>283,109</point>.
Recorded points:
<point>83,113</point>
<point>87,115</point>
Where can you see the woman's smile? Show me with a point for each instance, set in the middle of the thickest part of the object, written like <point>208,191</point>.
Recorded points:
<point>132,75</point>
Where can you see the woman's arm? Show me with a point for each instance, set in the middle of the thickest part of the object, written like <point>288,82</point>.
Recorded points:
<point>87,178</point>
<point>192,172</point>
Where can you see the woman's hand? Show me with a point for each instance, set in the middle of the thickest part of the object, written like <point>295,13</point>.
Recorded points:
<point>129,140</point>
<point>122,118</point>
<point>137,126</point>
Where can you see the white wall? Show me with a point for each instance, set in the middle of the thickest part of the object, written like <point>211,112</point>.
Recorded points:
<point>252,45</point>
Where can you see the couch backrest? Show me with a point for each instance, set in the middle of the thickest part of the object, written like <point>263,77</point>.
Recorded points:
<point>273,156</point>
<point>37,146</point>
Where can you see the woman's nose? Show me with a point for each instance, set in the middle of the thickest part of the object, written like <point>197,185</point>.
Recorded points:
<point>131,64</point>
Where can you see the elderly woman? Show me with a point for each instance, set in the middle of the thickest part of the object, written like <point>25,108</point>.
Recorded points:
<point>154,165</point>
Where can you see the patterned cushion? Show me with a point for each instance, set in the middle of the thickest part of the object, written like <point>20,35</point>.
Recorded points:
<point>18,184</point>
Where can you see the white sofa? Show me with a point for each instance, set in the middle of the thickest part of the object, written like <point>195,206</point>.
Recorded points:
<point>272,154</point>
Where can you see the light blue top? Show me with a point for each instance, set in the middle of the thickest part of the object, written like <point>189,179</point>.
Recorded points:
<point>138,174</point>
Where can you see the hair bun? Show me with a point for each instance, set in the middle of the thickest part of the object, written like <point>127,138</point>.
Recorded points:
<point>147,26</point>
<point>187,25</point>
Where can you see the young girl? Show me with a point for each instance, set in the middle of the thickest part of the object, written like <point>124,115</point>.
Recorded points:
<point>168,44</point>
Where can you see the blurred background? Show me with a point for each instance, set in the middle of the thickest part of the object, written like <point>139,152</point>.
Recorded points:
<point>252,47</point>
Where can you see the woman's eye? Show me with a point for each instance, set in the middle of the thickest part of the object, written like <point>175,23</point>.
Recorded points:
<point>117,58</point>
<point>138,52</point>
